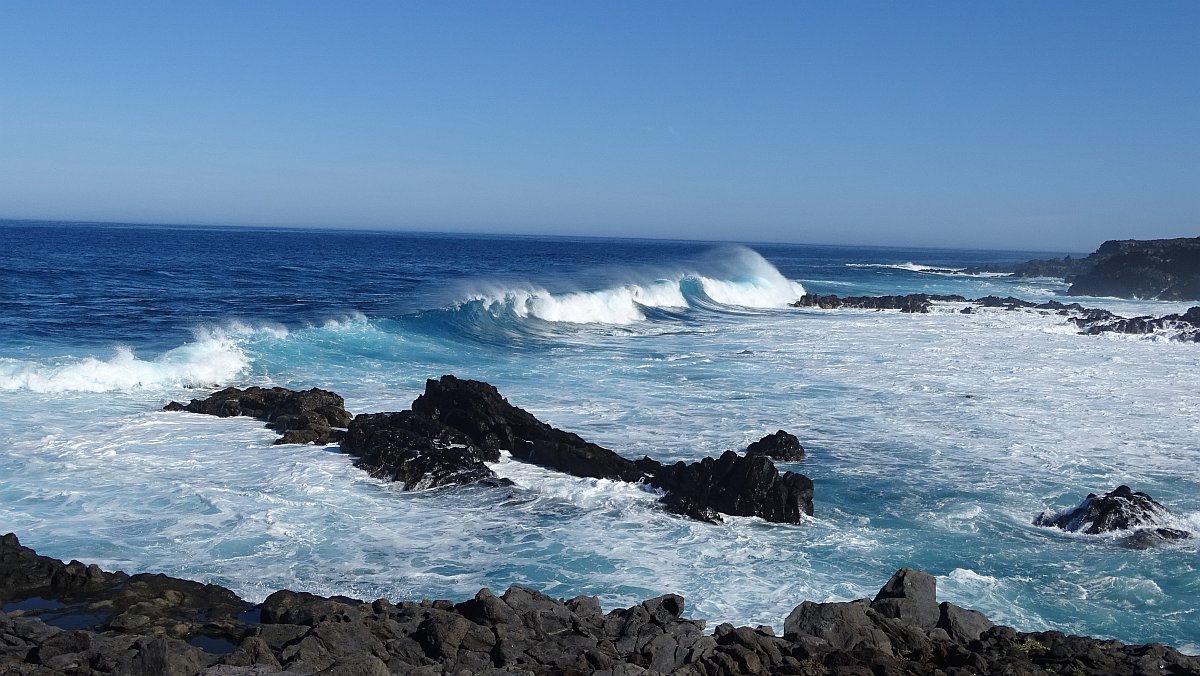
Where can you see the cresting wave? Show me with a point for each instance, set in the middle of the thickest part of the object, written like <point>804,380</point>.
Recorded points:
<point>928,269</point>
<point>214,357</point>
<point>733,277</point>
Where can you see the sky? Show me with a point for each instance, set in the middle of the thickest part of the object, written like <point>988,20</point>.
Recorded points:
<point>1015,125</point>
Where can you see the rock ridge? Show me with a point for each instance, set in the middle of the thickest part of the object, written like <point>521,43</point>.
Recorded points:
<point>903,630</point>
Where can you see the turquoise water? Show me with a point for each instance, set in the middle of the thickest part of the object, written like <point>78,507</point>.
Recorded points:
<point>933,440</point>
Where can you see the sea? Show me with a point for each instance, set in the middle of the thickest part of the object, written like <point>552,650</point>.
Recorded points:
<point>933,440</point>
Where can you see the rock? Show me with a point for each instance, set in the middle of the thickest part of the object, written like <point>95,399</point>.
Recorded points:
<point>778,446</point>
<point>749,486</point>
<point>524,631</point>
<point>1147,538</point>
<point>1164,269</point>
<point>734,485</point>
<point>843,626</point>
<point>1120,509</point>
<point>418,451</point>
<point>960,624</point>
<point>910,596</point>
<point>912,303</point>
<point>311,416</point>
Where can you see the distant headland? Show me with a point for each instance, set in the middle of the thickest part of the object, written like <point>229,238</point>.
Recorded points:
<point>1152,269</point>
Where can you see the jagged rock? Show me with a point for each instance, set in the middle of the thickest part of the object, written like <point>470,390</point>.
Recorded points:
<point>912,303</point>
<point>778,446</point>
<point>740,486</point>
<point>911,596</point>
<point>418,451</point>
<point>526,632</point>
<point>310,416</point>
<point>1120,509</point>
<point>1154,537</point>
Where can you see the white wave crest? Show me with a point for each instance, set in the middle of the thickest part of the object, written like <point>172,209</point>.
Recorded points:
<point>213,358</point>
<point>739,277</point>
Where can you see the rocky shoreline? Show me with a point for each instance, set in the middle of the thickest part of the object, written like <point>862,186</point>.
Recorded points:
<point>1183,327</point>
<point>79,620</point>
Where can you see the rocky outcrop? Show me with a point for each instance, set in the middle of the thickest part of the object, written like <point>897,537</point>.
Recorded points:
<point>417,451</point>
<point>781,446</point>
<point>731,484</point>
<point>904,630</point>
<point>1164,269</point>
<point>456,426</point>
<point>78,596</point>
<point>912,303</point>
<point>1181,327</point>
<point>1121,509</point>
<point>311,416</point>
<point>1178,327</point>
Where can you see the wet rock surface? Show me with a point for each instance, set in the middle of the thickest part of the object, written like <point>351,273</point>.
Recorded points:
<point>904,630</point>
<point>301,417</point>
<point>781,445</point>
<point>1121,509</point>
<point>911,303</point>
<point>731,484</point>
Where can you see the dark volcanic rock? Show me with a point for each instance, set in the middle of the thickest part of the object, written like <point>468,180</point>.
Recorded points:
<point>1183,327</point>
<point>477,410</point>
<point>1120,509</point>
<point>417,451</point>
<point>1166,269</point>
<point>740,486</point>
<point>78,595</point>
<point>526,632</point>
<point>779,446</point>
<point>734,485</point>
<point>310,416</point>
<point>912,303</point>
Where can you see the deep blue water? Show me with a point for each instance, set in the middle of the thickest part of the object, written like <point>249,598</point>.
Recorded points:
<point>933,440</point>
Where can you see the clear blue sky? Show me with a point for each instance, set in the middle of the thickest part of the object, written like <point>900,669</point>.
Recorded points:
<point>1040,125</point>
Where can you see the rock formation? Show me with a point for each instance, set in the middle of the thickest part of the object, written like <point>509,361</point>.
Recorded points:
<point>780,446</point>
<point>456,426</point>
<point>904,630</point>
<point>312,416</point>
<point>1121,509</point>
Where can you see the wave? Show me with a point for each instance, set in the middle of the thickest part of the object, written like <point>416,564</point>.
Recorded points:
<point>214,357</point>
<point>929,269</point>
<point>735,277</point>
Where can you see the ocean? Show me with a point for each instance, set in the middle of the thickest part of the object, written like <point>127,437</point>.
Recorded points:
<point>933,440</point>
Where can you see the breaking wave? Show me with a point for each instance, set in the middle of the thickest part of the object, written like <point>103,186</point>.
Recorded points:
<point>731,278</point>
<point>212,358</point>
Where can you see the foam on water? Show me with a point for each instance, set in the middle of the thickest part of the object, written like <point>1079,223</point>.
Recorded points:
<point>933,441</point>
<point>213,358</point>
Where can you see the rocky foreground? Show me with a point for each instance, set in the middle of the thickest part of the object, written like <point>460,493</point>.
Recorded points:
<point>76,619</point>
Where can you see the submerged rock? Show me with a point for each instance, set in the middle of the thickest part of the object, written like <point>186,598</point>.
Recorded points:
<point>309,416</point>
<point>781,446</point>
<point>1118,510</point>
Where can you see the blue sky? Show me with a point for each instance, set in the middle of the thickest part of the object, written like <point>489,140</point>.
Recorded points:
<point>1035,125</point>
